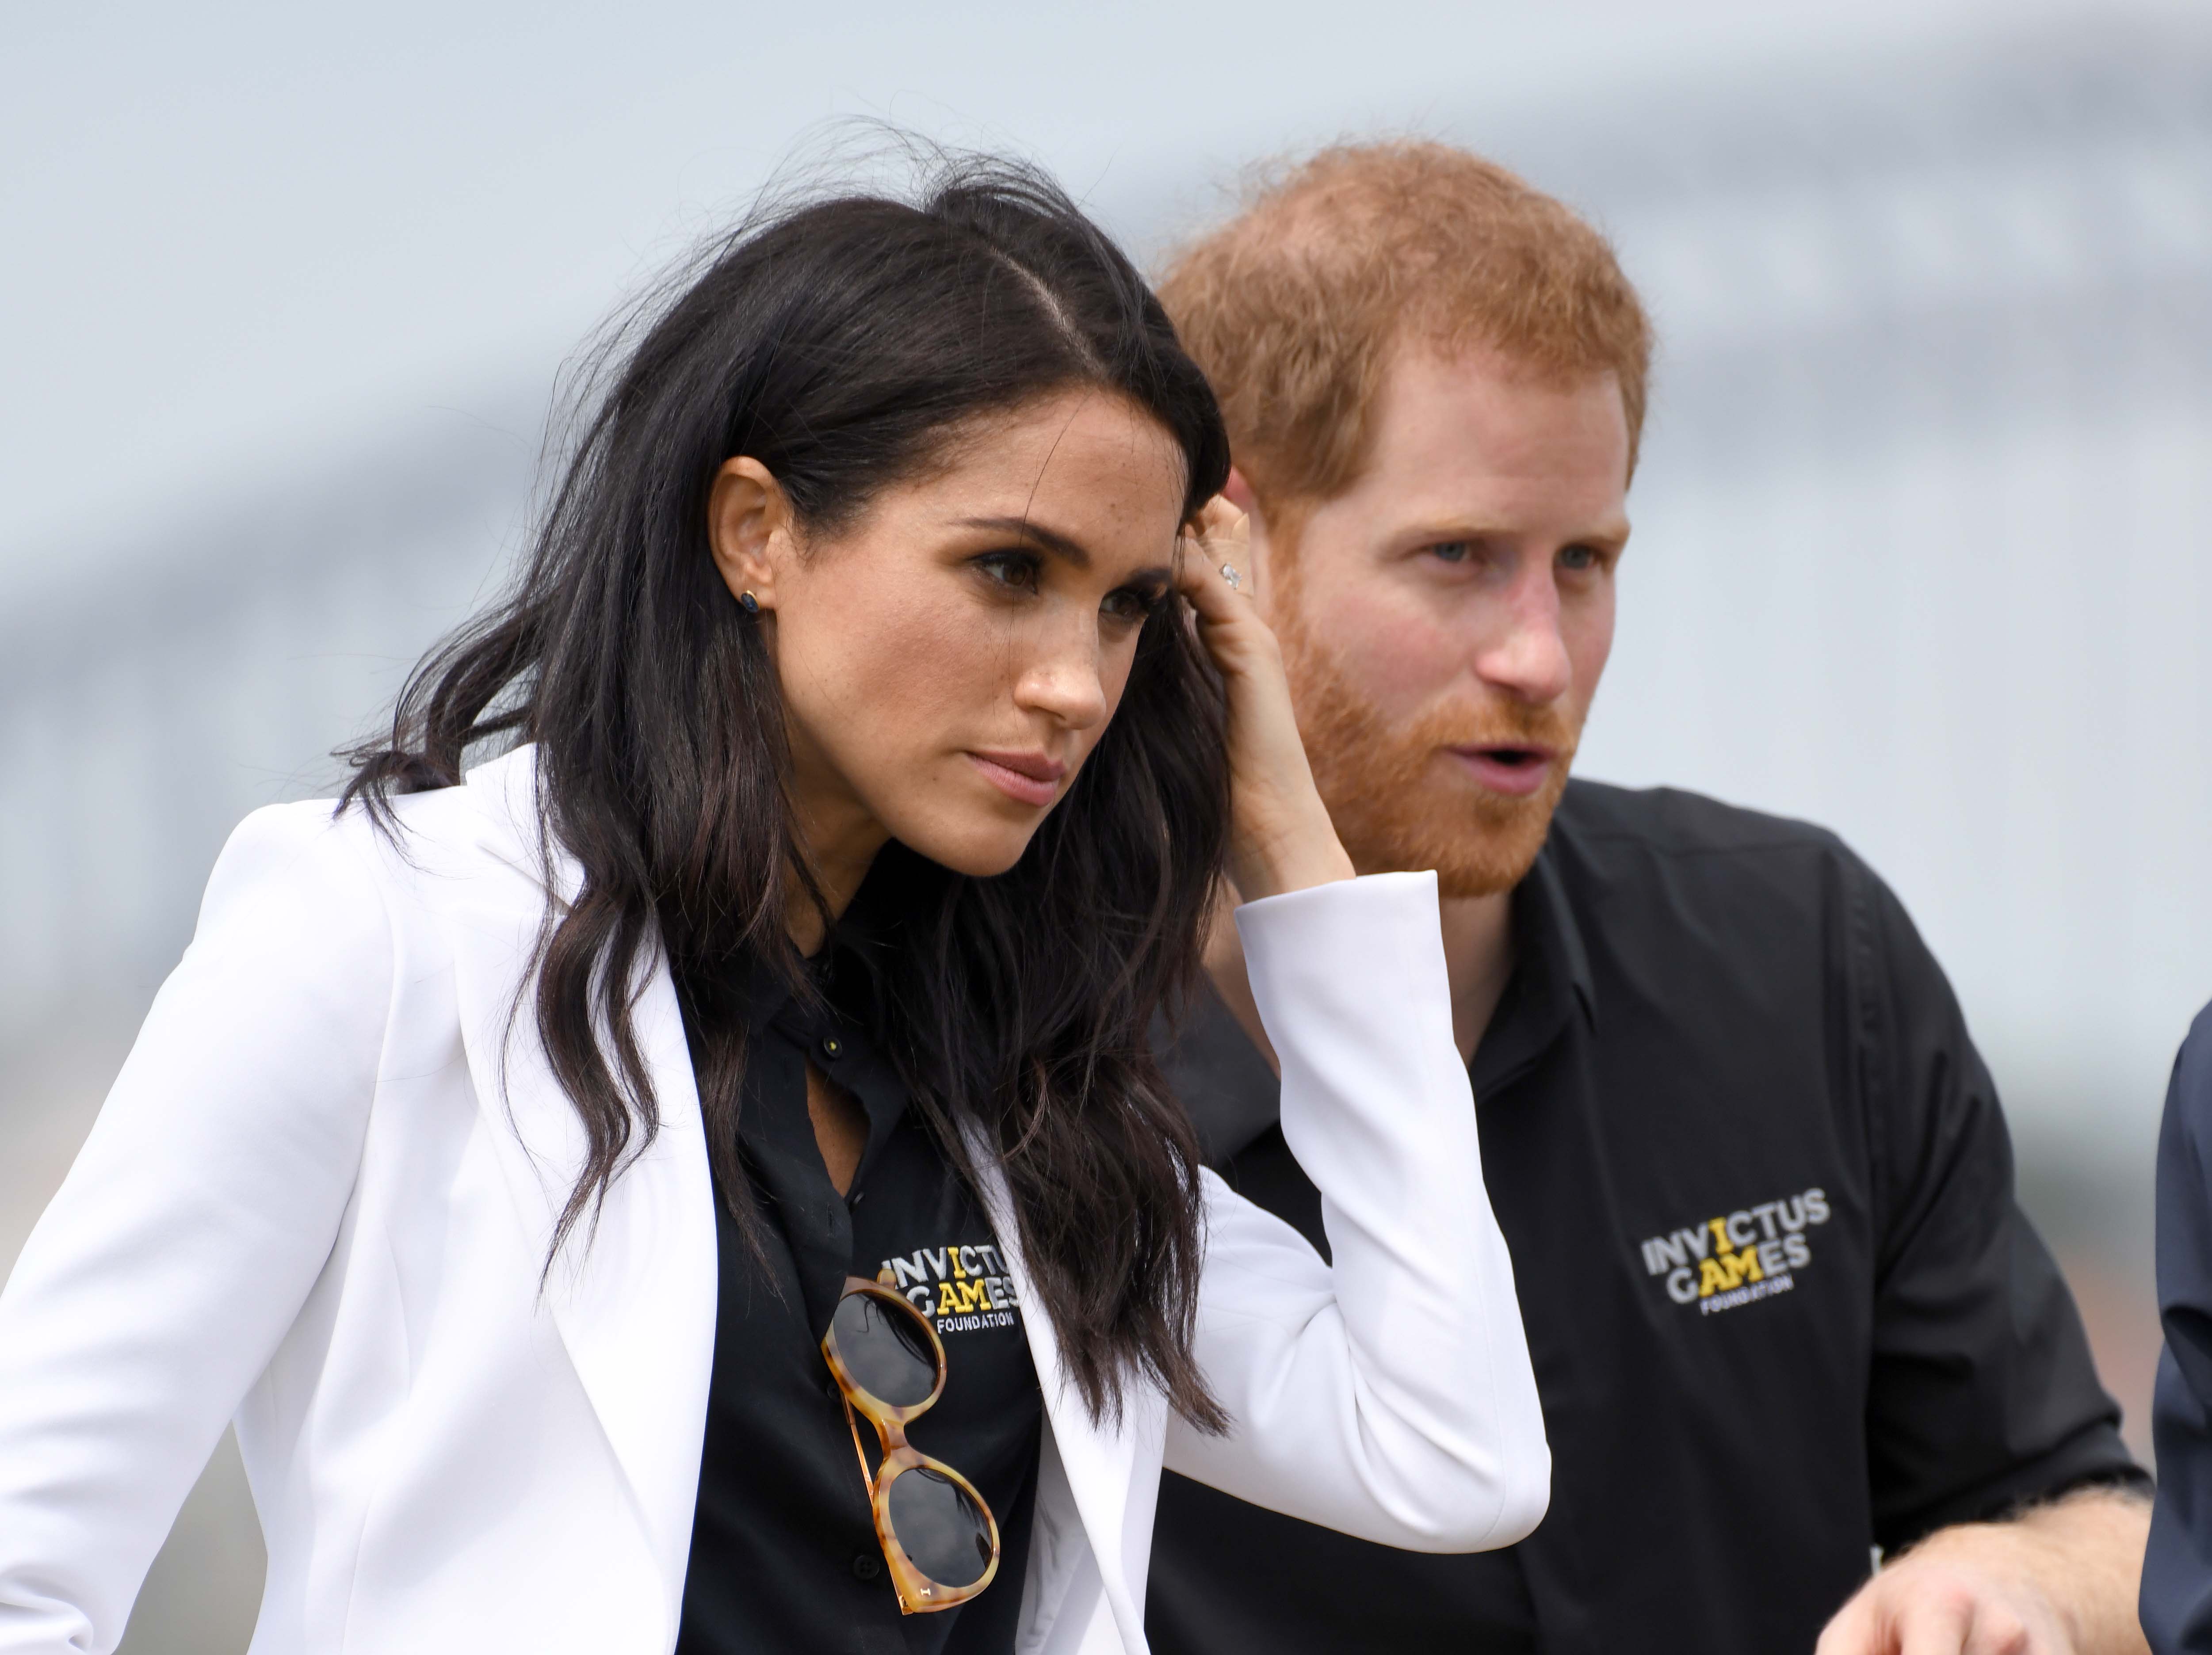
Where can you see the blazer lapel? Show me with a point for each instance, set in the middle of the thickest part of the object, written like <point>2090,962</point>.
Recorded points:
<point>633,1289</point>
<point>1102,1460</point>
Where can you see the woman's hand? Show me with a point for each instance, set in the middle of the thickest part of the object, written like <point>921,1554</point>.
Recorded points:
<point>1281,838</point>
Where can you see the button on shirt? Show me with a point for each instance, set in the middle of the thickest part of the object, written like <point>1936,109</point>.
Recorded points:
<point>1781,1305</point>
<point>784,1555</point>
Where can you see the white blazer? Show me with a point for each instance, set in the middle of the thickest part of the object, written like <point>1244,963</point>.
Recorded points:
<point>320,1194</point>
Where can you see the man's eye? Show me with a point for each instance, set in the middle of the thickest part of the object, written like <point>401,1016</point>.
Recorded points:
<point>1579,557</point>
<point>1452,551</point>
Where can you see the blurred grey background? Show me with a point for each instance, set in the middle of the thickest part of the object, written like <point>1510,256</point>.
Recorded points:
<point>1923,529</point>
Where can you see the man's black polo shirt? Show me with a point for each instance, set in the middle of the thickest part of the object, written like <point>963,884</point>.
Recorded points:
<point>1781,1304</point>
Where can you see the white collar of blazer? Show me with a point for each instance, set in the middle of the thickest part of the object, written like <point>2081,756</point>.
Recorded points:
<point>633,1293</point>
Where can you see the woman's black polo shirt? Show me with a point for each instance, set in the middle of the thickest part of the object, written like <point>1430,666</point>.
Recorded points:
<point>784,1555</point>
<point>1781,1304</point>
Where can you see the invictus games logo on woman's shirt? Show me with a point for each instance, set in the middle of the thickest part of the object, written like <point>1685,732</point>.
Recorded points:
<point>960,1287</point>
<point>1738,1257</point>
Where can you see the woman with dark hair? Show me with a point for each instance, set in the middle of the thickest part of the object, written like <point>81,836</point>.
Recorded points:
<point>554,1165</point>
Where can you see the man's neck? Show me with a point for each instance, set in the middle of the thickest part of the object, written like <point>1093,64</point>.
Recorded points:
<point>1478,956</point>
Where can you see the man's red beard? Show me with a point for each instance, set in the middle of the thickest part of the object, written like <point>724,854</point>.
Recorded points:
<point>1399,800</point>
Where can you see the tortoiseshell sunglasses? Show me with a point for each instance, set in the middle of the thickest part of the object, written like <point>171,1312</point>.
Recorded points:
<point>937,1536</point>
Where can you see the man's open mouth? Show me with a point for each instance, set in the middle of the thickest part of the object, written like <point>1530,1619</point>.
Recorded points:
<point>1508,768</point>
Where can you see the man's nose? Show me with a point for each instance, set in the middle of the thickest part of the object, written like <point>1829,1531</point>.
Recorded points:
<point>1527,657</point>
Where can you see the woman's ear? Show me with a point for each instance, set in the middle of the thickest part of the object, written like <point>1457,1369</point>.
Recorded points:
<point>750,529</point>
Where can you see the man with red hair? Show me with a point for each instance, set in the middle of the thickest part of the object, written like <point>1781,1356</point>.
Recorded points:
<point>1785,1313</point>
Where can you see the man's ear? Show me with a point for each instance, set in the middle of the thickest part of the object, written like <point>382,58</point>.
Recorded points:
<point>750,529</point>
<point>1239,493</point>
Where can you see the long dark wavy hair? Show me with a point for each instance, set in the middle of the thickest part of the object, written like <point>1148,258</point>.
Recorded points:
<point>844,343</point>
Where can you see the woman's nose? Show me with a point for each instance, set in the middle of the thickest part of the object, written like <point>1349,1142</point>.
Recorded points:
<point>1063,680</point>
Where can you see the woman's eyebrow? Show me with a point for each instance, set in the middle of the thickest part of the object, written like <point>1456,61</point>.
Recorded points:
<point>1045,539</point>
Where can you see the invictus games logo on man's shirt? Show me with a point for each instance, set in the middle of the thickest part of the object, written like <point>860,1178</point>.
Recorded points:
<point>1737,1257</point>
<point>961,1288</point>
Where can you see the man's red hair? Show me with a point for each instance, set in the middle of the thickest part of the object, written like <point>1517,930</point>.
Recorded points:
<point>1295,307</point>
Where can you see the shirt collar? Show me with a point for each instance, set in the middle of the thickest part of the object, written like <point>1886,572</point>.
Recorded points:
<point>1552,985</point>
<point>1542,896</point>
<point>832,1030</point>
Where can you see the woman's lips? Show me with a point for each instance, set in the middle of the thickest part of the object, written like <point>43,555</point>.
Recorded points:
<point>1026,777</point>
<point>1518,771</point>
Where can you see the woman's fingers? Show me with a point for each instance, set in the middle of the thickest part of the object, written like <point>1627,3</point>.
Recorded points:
<point>1281,836</point>
<point>1229,621</point>
<point>1225,538</point>
<point>1218,558</point>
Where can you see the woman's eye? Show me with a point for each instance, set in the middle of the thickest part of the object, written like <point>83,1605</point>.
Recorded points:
<point>1015,569</point>
<point>1130,605</point>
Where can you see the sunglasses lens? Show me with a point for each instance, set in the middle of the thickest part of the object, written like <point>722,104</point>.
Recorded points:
<point>886,1351</point>
<point>943,1531</point>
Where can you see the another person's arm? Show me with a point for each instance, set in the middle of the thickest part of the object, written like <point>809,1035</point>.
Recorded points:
<point>2176,1603</point>
<point>2013,1516</point>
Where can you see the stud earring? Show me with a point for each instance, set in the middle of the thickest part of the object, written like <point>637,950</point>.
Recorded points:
<point>749,603</point>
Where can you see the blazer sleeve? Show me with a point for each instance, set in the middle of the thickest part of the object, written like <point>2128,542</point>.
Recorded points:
<point>205,1202</point>
<point>1389,1395</point>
